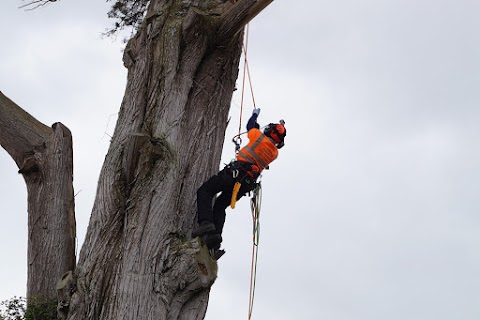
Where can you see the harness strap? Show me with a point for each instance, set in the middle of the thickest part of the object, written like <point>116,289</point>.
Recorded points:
<point>242,172</point>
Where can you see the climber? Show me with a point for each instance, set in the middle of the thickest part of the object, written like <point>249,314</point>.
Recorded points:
<point>260,151</point>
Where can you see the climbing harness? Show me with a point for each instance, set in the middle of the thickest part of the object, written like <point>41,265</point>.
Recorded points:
<point>242,172</point>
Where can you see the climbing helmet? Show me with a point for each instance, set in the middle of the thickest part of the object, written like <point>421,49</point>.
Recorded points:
<point>277,132</point>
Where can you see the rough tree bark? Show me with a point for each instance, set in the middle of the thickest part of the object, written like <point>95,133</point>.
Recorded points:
<point>137,261</point>
<point>44,158</point>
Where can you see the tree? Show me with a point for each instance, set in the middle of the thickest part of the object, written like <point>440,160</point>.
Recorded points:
<point>137,261</point>
<point>13,309</point>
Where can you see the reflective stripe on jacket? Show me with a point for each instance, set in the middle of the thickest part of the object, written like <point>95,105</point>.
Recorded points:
<point>260,150</point>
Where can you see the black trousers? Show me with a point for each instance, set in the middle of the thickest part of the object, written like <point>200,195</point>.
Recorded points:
<point>222,182</point>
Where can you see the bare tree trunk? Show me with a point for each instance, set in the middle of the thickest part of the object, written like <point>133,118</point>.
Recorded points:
<point>136,262</point>
<point>168,140</point>
<point>44,157</point>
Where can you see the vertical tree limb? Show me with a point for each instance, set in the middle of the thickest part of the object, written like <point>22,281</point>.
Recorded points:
<point>45,159</point>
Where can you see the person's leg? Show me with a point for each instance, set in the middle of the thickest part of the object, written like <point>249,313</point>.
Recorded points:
<point>219,208</point>
<point>214,239</point>
<point>205,195</point>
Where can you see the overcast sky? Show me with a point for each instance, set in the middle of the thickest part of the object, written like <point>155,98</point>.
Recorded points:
<point>371,211</point>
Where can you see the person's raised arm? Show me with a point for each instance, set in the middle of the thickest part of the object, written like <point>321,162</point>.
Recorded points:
<point>252,122</point>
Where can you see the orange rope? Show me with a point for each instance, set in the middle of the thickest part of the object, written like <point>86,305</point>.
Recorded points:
<point>250,80</point>
<point>246,74</point>
<point>245,63</point>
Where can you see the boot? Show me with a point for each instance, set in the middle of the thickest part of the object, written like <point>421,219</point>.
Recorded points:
<point>205,227</point>
<point>216,254</point>
<point>213,241</point>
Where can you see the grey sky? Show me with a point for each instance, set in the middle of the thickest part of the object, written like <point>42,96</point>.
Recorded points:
<point>371,211</point>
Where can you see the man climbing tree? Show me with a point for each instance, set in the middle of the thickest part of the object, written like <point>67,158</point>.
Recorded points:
<point>236,179</point>
<point>136,261</point>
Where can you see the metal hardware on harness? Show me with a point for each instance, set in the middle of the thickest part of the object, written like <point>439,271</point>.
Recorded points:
<point>237,140</point>
<point>235,173</point>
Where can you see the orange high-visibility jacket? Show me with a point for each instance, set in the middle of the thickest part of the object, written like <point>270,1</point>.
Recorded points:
<point>260,150</point>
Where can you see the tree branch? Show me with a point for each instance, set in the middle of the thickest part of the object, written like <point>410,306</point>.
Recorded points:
<point>240,13</point>
<point>45,158</point>
<point>20,133</point>
<point>34,4</point>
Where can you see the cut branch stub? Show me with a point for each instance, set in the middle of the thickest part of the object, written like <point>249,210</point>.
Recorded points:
<point>44,157</point>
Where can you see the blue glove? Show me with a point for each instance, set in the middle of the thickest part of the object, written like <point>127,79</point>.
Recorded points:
<point>256,111</point>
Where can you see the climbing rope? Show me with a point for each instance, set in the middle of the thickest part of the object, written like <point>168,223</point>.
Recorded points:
<point>237,140</point>
<point>255,205</point>
<point>255,201</point>
<point>246,74</point>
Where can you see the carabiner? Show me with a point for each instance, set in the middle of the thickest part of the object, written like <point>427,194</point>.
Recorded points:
<point>237,140</point>
<point>235,174</point>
